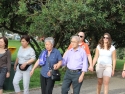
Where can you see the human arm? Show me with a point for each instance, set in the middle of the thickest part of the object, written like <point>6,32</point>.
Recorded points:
<point>16,63</point>
<point>84,68</point>
<point>114,61</point>
<point>96,56</point>
<point>8,63</point>
<point>123,72</point>
<point>90,62</point>
<point>34,67</point>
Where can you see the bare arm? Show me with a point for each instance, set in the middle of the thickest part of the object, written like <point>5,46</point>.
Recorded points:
<point>96,56</point>
<point>34,67</point>
<point>114,61</point>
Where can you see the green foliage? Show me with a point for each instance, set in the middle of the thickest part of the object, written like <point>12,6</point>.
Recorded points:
<point>64,18</point>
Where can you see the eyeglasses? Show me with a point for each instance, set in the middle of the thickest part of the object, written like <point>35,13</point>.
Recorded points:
<point>80,36</point>
<point>105,37</point>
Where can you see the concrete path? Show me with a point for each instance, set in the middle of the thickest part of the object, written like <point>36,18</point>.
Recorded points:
<point>117,86</point>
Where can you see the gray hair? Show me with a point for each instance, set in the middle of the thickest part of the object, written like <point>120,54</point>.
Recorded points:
<point>76,37</point>
<point>50,39</point>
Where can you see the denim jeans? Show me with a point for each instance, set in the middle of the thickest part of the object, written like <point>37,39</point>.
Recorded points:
<point>3,72</point>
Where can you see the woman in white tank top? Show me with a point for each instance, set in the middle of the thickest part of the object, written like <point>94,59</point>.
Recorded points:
<point>105,56</point>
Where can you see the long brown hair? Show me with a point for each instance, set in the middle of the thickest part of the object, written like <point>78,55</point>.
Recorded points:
<point>101,42</point>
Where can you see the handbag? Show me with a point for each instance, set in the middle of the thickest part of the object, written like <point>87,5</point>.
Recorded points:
<point>24,68</point>
<point>55,74</point>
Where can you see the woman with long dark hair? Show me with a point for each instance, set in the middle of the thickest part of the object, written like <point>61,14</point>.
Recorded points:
<point>105,56</point>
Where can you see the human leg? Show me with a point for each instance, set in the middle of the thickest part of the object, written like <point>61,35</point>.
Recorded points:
<point>50,85</point>
<point>106,77</point>
<point>3,72</point>
<point>18,76</point>
<point>76,85</point>
<point>66,83</point>
<point>43,84</point>
<point>99,85</point>
<point>26,81</point>
<point>106,84</point>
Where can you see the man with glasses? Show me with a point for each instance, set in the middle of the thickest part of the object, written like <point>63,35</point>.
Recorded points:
<point>85,46</point>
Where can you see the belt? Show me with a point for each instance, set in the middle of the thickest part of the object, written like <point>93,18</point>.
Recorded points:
<point>74,70</point>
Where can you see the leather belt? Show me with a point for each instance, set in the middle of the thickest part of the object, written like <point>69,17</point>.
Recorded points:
<point>74,70</point>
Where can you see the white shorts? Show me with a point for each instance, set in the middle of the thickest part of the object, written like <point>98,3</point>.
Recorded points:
<point>103,70</point>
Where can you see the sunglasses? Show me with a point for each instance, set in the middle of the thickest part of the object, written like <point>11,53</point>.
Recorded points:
<point>105,37</point>
<point>80,36</point>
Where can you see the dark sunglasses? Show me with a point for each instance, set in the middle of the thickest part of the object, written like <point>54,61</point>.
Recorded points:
<point>105,37</point>
<point>80,36</point>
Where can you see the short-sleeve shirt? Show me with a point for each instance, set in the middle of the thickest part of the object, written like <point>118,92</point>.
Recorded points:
<point>105,56</point>
<point>84,46</point>
<point>53,58</point>
<point>24,55</point>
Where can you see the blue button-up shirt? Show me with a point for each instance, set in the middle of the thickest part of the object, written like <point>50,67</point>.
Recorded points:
<point>53,58</point>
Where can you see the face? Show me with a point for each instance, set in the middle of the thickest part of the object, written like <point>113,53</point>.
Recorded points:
<point>74,43</point>
<point>48,45</point>
<point>81,36</point>
<point>105,38</point>
<point>2,43</point>
<point>24,43</point>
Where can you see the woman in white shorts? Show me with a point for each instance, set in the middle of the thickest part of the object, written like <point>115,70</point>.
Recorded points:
<point>105,56</point>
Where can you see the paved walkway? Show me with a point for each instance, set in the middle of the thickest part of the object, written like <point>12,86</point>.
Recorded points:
<point>117,86</point>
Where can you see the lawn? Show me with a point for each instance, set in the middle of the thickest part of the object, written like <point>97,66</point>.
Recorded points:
<point>35,81</point>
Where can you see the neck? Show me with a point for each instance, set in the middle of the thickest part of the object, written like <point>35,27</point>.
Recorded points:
<point>1,48</point>
<point>75,48</point>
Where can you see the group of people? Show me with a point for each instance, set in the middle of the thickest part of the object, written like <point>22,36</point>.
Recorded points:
<point>75,59</point>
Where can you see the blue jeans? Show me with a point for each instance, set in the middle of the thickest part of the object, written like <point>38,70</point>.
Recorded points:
<point>71,77</point>
<point>3,72</point>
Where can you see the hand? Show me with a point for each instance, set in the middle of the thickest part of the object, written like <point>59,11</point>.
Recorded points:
<point>49,73</point>
<point>90,68</point>
<point>15,66</point>
<point>7,75</point>
<point>55,66</point>
<point>32,71</point>
<point>113,73</point>
<point>123,74</point>
<point>23,65</point>
<point>80,78</point>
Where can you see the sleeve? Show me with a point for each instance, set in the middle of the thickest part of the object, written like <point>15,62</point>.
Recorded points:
<point>40,55</point>
<point>98,47</point>
<point>8,61</point>
<point>59,57</point>
<point>85,62</point>
<point>113,48</point>
<point>32,54</point>
<point>65,59</point>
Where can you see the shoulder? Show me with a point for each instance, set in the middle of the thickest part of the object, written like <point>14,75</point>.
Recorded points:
<point>98,46</point>
<point>112,48</point>
<point>56,50</point>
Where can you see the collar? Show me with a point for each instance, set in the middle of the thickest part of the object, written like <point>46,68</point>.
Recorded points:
<point>76,49</point>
